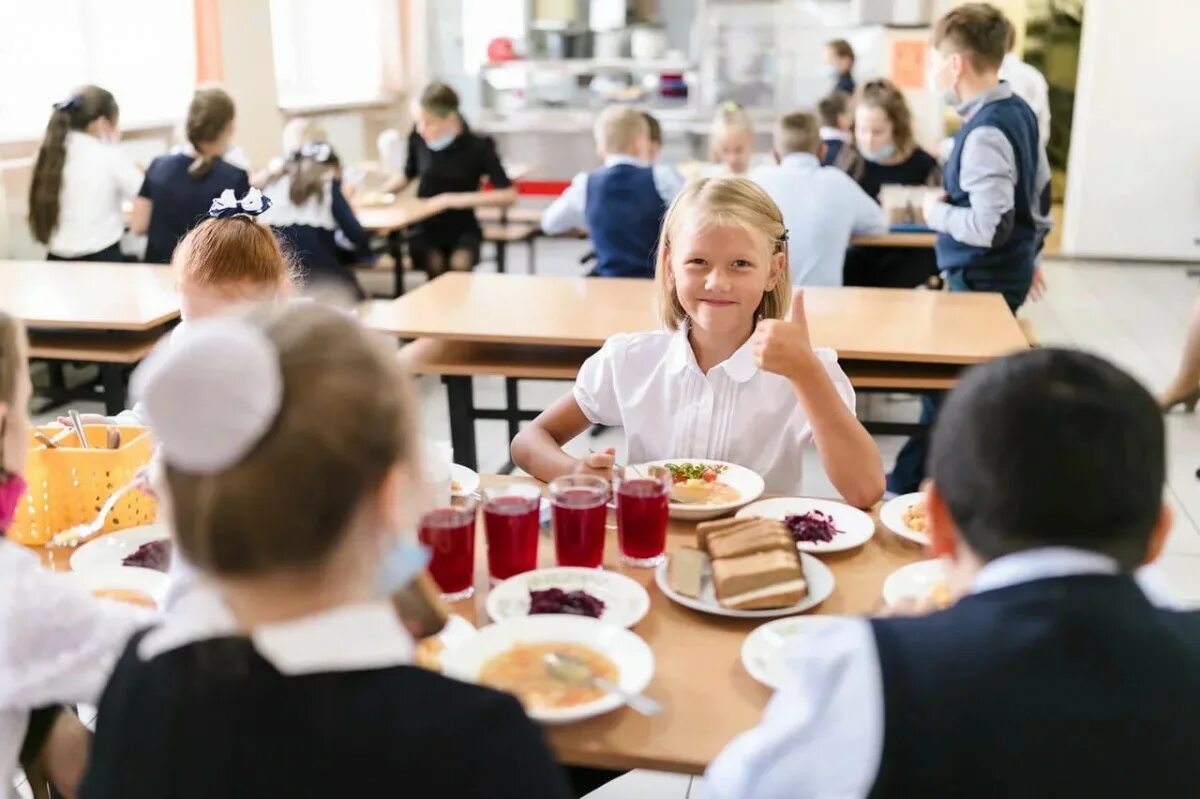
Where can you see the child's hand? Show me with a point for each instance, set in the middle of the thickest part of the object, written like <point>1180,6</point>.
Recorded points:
<point>932,198</point>
<point>1037,289</point>
<point>598,463</point>
<point>86,418</point>
<point>783,347</point>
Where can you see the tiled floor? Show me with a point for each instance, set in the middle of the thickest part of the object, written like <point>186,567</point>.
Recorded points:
<point>1131,313</point>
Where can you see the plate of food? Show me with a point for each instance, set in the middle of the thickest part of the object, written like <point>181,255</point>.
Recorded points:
<point>706,489</point>
<point>764,652</point>
<point>817,525</point>
<point>463,481</point>
<point>925,579</point>
<point>428,653</point>
<point>133,586</point>
<point>906,517</point>
<point>605,595</point>
<point>147,547</point>
<point>510,656</point>
<point>744,570</point>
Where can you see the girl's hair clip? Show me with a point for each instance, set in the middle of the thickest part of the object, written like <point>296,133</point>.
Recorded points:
<point>227,205</point>
<point>69,104</point>
<point>319,151</point>
<point>784,235</point>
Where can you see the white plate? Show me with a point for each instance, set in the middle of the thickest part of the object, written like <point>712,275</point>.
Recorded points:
<point>746,482</point>
<point>764,650</point>
<point>820,586</point>
<point>625,602</point>
<point>856,527</point>
<point>468,481</point>
<point>108,551</point>
<point>892,516</point>
<point>632,656</point>
<point>122,577</point>
<point>914,581</point>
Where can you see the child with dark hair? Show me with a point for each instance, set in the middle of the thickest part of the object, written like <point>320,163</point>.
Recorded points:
<point>1054,675</point>
<point>839,64</point>
<point>310,212</point>
<point>834,109</point>
<point>180,186</point>
<point>81,180</point>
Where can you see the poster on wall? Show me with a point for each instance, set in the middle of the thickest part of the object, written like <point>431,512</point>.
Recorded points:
<point>907,63</point>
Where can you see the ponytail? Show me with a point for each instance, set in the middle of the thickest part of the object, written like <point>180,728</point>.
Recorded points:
<point>85,106</point>
<point>209,114</point>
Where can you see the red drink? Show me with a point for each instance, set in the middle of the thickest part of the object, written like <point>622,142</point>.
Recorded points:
<point>642,520</point>
<point>450,535</point>
<point>580,513</point>
<point>511,522</point>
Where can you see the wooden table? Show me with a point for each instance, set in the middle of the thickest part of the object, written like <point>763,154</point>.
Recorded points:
<point>896,239</point>
<point>708,697</point>
<point>529,313</point>
<point>108,314</point>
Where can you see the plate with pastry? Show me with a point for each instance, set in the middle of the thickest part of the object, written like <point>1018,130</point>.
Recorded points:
<point>906,517</point>
<point>745,569</point>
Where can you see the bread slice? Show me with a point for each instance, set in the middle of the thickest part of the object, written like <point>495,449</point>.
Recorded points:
<point>705,531</point>
<point>762,580</point>
<point>747,541</point>
<point>685,571</point>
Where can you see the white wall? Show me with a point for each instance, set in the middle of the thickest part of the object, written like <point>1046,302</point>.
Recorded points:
<point>1133,181</point>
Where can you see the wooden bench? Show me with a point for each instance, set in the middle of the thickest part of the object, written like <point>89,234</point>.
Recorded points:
<point>458,362</point>
<point>114,354</point>
<point>519,214</point>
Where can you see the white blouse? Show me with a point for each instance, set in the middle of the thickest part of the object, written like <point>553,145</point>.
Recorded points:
<point>58,645</point>
<point>97,178</point>
<point>650,384</point>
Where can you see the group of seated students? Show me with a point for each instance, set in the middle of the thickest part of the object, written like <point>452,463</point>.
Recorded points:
<point>278,666</point>
<point>80,186</point>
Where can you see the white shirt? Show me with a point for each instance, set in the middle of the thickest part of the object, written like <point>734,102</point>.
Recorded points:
<point>822,208</point>
<point>97,179</point>
<point>650,384</point>
<point>567,212</point>
<point>821,736</point>
<point>1029,84</point>
<point>58,645</point>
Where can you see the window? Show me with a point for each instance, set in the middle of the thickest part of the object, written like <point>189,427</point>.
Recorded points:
<point>329,53</point>
<point>143,51</point>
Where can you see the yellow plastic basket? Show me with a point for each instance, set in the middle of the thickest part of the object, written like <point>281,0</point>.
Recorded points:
<point>68,484</point>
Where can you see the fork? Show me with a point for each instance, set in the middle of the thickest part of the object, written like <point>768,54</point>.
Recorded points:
<point>74,536</point>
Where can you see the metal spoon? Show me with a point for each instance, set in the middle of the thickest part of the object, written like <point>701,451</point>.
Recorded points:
<point>77,423</point>
<point>74,536</point>
<point>570,669</point>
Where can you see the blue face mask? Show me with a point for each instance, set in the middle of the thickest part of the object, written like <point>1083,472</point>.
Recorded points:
<point>399,565</point>
<point>882,154</point>
<point>441,142</point>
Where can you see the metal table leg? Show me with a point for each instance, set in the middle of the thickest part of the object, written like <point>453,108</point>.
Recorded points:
<point>112,378</point>
<point>461,398</point>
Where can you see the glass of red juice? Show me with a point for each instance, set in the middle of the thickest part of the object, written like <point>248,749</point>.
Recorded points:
<point>580,513</point>
<point>449,533</point>
<point>510,518</point>
<point>642,516</point>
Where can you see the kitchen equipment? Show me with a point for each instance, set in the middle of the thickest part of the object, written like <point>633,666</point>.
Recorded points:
<point>611,44</point>
<point>557,44</point>
<point>647,42</point>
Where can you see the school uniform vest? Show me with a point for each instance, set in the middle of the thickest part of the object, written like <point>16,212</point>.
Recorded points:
<point>624,211</point>
<point>832,148</point>
<point>1014,246</point>
<point>1061,687</point>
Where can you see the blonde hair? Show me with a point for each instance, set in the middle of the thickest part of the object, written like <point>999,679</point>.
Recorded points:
<point>797,132</point>
<point>617,127</point>
<point>723,201</point>
<point>729,117</point>
<point>346,421</point>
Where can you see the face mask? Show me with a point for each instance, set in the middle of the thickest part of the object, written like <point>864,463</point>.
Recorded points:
<point>933,82</point>
<point>12,491</point>
<point>831,71</point>
<point>441,142</point>
<point>403,561</point>
<point>882,154</point>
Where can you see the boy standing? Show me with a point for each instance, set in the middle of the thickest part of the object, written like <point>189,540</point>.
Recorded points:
<point>834,109</point>
<point>995,212</point>
<point>1054,675</point>
<point>621,205</point>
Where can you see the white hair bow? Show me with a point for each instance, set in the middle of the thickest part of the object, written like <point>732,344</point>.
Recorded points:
<point>228,205</point>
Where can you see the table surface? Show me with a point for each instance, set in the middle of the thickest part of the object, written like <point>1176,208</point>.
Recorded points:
<point>860,323</point>
<point>409,210</point>
<point>707,695</point>
<point>88,296</point>
<point>896,239</point>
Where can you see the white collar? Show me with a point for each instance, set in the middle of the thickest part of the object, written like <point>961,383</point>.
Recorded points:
<point>347,638</point>
<point>1040,564</point>
<point>829,133</point>
<point>803,161</point>
<point>621,158</point>
<point>740,366</point>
